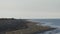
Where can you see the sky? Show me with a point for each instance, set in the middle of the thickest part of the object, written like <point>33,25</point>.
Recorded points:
<point>30,9</point>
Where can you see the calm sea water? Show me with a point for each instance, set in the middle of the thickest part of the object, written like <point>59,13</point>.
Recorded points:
<point>49,22</point>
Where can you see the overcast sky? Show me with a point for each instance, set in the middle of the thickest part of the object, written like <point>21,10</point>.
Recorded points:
<point>29,8</point>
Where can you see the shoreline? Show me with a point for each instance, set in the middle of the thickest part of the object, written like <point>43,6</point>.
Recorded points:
<point>44,30</point>
<point>32,28</point>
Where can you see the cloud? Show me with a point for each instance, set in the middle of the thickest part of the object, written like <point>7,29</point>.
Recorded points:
<point>30,8</point>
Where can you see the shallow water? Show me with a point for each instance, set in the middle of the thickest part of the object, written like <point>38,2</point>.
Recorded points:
<point>55,23</point>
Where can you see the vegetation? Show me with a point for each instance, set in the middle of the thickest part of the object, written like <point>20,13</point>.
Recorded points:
<point>19,26</point>
<point>8,24</point>
<point>31,30</point>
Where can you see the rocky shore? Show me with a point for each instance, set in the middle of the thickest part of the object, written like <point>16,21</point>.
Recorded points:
<point>42,31</point>
<point>32,28</point>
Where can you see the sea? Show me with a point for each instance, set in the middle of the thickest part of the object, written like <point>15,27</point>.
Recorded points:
<point>54,23</point>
